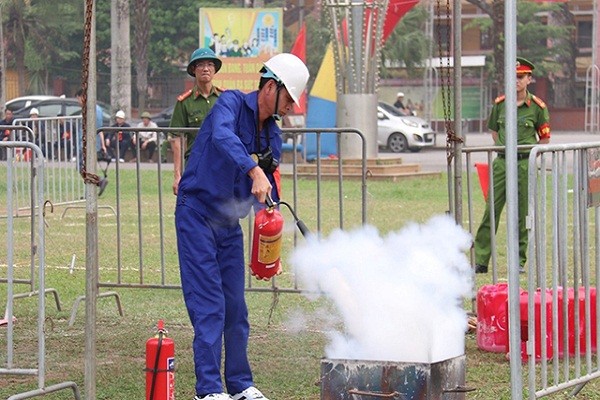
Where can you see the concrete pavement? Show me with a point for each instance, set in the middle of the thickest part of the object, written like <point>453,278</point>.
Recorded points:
<point>434,159</point>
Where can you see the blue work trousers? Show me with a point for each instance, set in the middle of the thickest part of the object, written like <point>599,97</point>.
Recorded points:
<point>211,259</point>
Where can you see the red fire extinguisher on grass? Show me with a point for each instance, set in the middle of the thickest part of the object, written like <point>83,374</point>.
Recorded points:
<point>160,366</point>
<point>265,262</point>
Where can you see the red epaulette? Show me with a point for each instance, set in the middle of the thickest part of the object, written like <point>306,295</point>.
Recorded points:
<point>500,99</point>
<point>538,101</point>
<point>184,95</point>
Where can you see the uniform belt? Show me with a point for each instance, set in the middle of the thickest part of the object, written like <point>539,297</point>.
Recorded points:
<point>520,156</point>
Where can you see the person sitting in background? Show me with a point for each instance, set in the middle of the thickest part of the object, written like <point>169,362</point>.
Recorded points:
<point>121,138</point>
<point>5,134</point>
<point>399,104</point>
<point>39,131</point>
<point>147,139</point>
<point>64,144</point>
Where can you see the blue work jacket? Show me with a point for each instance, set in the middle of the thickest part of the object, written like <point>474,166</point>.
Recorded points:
<point>215,181</point>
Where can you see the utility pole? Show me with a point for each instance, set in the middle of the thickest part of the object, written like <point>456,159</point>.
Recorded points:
<point>2,63</point>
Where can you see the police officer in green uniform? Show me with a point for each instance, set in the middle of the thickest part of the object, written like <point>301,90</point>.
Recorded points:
<point>533,127</point>
<point>193,105</point>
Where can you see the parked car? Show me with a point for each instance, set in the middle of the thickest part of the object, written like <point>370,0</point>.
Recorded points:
<point>399,133</point>
<point>25,101</point>
<point>163,118</point>
<point>395,131</point>
<point>68,106</point>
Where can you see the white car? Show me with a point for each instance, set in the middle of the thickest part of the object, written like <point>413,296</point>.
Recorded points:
<point>399,133</point>
<point>25,101</point>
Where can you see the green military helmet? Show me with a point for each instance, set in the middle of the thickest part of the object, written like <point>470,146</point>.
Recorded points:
<point>203,53</point>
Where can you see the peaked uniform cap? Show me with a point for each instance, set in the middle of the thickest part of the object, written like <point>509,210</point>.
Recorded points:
<point>524,66</point>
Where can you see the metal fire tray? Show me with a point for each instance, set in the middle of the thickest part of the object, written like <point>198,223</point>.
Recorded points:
<point>368,380</point>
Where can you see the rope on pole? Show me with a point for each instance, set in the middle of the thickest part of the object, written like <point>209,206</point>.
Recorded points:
<point>87,37</point>
<point>446,83</point>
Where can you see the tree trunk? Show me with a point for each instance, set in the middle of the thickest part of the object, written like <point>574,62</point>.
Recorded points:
<point>564,80</point>
<point>17,31</point>
<point>120,61</point>
<point>142,33</point>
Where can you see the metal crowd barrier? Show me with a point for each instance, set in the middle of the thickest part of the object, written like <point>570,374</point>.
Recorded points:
<point>560,325</point>
<point>57,137</point>
<point>487,154</point>
<point>36,253</point>
<point>564,270</point>
<point>140,231</point>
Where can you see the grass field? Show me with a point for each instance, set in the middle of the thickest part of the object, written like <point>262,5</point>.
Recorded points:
<point>285,359</point>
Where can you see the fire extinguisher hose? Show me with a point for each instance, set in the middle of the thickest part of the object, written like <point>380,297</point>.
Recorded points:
<point>301,225</point>
<point>156,361</point>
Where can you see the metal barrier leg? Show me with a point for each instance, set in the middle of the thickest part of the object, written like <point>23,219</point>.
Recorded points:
<point>47,390</point>
<point>83,207</point>
<point>577,389</point>
<point>105,294</point>
<point>35,293</point>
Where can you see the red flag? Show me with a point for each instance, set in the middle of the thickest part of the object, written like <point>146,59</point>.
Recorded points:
<point>395,12</point>
<point>299,50</point>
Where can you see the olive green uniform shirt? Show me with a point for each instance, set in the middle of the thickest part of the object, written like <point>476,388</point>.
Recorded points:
<point>531,117</point>
<point>190,110</point>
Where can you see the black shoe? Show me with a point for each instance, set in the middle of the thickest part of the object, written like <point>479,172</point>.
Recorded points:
<point>481,269</point>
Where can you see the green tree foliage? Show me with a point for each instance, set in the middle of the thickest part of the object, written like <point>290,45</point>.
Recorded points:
<point>45,38</point>
<point>39,37</point>
<point>174,34</point>
<point>533,33</point>
<point>317,39</point>
<point>408,44</point>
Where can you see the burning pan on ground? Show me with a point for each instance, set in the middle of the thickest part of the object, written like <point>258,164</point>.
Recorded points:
<point>367,380</point>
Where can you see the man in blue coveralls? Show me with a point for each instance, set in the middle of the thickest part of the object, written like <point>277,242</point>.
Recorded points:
<point>233,165</point>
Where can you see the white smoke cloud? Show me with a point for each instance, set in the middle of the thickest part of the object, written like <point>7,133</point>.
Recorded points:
<point>399,296</point>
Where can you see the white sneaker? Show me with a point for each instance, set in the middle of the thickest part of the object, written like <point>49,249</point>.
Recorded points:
<point>214,396</point>
<point>251,393</point>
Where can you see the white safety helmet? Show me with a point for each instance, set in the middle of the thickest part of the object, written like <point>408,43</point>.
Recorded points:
<point>120,114</point>
<point>34,111</point>
<point>400,94</point>
<point>289,70</point>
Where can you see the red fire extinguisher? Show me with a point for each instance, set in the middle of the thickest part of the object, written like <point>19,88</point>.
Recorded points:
<point>266,243</point>
<point>160,366</point>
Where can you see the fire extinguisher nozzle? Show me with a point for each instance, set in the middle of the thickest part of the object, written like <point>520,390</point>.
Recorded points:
<point>303,229</point>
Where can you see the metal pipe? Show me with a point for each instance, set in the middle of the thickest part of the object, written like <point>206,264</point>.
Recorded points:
<point>510,55</point>
<point>457,144</point>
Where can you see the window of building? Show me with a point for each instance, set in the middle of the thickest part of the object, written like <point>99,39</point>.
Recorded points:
<point>584,34</point>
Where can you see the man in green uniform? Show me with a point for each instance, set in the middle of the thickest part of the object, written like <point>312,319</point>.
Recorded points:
<point>533,127</point>
<point>193,105</point>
